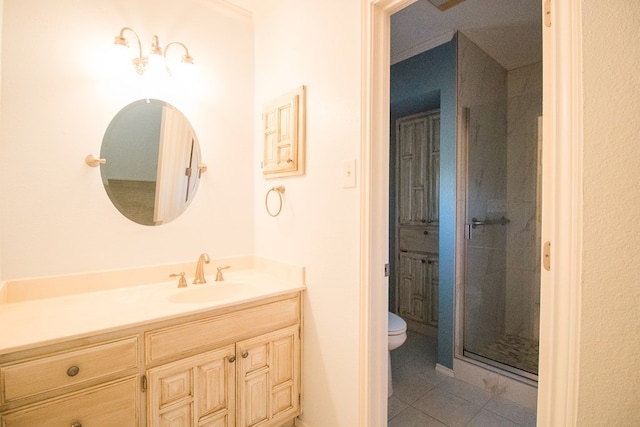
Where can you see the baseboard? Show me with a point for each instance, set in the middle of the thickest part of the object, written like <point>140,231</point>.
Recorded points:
<point>445,371</point>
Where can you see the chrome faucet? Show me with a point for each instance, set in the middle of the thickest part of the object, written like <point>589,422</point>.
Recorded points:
<point>204,259</point>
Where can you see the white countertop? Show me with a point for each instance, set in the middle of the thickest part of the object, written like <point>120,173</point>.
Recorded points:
<point>32,323</point>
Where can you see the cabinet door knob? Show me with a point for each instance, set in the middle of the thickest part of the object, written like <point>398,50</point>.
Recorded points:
<point>425,232</point>
<point>245,354</point>
<point>232,359</point>
<point>72,372</point>
<point>76,425</point>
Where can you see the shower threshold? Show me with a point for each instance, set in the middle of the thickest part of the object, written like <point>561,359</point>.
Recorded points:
<point>501,366</point>
<point>511,354</point>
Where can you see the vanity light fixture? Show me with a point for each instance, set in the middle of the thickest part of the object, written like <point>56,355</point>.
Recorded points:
<point>157,57</point>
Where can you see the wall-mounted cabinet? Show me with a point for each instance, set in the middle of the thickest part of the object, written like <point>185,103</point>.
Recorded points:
<point>284,135</point>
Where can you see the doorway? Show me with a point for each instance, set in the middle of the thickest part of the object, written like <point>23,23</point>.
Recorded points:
<point>505,90</point>
<point>562,105</point>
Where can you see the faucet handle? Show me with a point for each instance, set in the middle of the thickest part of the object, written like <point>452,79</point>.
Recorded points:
<point>182,282</point>
<point>219,276</point>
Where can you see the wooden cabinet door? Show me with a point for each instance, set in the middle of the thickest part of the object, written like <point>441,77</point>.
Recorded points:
<point>418,166</point>
<point>198,391</point>
<point>284,135</point>
<point>269,377</point>
<point>418,287</point>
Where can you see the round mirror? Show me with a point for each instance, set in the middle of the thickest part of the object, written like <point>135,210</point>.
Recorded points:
<point>153,163</point>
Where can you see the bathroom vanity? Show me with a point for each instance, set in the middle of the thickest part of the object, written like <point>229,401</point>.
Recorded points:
<point>218,354</point>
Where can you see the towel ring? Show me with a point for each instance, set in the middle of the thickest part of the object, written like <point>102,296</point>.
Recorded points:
<point>279,190</point>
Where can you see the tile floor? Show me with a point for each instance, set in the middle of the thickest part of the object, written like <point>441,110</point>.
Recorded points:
<point>424,397</point>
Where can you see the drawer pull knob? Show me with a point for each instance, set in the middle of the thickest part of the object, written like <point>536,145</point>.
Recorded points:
<point>76,425</point>
<point>245,354</point>
<point>232,359</point>
<point>72,372</point>
<point>425,232</point>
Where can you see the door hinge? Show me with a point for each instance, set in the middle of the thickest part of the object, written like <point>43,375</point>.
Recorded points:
<point>386,270</point>
<point>143,383</point>
<point>547,13</point>
<point>546,256</point>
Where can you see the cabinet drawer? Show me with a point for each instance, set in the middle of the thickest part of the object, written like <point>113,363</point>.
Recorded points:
<point>197,336</point>
<point>111,404</point>
<point>418,239</point>
<point>53,372</point>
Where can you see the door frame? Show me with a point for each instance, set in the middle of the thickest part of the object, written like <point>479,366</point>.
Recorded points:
<point>561,212</point>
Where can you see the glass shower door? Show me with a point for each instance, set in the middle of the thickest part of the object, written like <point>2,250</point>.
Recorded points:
<point>501,286</point>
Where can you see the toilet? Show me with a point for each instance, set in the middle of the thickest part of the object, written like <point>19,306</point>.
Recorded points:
<point>397,337</point>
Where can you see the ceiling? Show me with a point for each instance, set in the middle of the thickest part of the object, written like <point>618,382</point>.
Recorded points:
<point>510,31</point>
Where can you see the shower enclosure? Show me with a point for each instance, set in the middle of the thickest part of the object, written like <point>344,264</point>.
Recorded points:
<point>500,173</point>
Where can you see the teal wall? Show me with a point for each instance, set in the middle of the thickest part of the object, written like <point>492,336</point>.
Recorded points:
<point>421,83</point>
<point>132,141</point>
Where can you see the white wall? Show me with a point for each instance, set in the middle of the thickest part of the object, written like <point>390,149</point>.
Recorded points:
<point>59,93</point>
<point>58,96</point>
<point>610,330</point>
<point>317,44</point>
<point>1,201</point>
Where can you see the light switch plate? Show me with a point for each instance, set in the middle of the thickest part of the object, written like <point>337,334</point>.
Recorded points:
<point>349,174</point>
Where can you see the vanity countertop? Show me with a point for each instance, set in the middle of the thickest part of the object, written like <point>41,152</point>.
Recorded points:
<point>27,324</point>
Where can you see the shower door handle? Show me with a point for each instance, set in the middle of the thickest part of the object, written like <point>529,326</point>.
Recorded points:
<point>467,231</point>
<point>502,221</point>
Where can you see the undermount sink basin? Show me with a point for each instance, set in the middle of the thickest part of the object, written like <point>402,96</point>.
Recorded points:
<point>208,292</point>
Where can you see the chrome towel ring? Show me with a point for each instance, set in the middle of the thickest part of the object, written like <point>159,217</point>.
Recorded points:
<point>279,191</point>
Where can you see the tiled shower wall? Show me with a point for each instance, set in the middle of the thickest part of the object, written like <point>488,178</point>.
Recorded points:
<point>524,88</point>
<point>502,291</point>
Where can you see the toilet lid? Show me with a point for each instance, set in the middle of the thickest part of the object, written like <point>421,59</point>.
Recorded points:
<point>396,324</point>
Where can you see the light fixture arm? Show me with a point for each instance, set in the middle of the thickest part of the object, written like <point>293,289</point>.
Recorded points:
<point>139,63</point>
<point>186,58</point>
